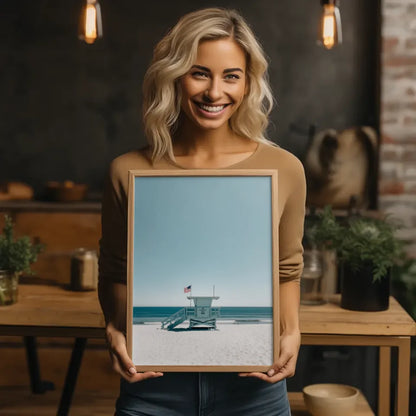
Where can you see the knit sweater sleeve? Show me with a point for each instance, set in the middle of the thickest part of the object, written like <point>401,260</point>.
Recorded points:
<point>113,242</point>
<point>292,223</point>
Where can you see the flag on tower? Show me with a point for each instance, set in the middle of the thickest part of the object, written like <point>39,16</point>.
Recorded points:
<point>187,289</point>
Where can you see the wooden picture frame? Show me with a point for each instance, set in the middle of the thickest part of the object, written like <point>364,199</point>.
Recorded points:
<point>203,283</point>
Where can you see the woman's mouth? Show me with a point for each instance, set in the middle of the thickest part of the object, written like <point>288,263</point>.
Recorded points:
<point>211,109</point>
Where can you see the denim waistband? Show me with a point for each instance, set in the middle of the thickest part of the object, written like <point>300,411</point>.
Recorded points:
<point>202,394</point>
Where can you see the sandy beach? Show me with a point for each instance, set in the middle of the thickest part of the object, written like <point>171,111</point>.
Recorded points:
<point>230,344</point>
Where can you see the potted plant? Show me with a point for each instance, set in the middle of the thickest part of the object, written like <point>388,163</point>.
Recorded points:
<point>16,256</point>
<point>367,249</point>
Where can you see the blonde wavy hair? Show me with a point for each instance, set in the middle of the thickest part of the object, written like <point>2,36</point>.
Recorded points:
<point>174,56</point>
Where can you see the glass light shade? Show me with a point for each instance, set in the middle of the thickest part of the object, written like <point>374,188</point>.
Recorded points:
<point>91,27</point>
<point>330,32</point>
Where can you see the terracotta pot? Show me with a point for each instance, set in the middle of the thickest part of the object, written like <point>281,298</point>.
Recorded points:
<point>360,293</point>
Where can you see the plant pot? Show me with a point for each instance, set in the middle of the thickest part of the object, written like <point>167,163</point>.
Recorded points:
<point>8,287</point>
<point>360,293</point>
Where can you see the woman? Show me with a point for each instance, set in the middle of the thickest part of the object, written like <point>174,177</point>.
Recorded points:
<point>206,105</point>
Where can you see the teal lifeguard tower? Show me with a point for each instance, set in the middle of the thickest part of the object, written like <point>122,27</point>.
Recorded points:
<point>202,314</point>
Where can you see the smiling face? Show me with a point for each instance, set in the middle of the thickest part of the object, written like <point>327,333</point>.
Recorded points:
<point>213,89</point>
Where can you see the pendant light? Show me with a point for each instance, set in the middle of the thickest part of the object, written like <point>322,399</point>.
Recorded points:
<point>330,32</point>
<point>91,26</point>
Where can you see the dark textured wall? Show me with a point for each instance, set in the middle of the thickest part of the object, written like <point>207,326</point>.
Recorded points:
<point>68,108</point>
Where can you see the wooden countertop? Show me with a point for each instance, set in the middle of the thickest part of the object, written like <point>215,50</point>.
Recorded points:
<point>53,311</point>
<point>330,318</point>
<point>56,307</point>
<point>44,206</point>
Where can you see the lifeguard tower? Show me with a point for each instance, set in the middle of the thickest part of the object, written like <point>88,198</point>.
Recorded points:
<point>201,315</point>
<point>203,312</point>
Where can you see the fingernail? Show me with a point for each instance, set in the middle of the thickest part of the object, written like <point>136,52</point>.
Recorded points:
<point>132,370</point>
<point>270,373</point>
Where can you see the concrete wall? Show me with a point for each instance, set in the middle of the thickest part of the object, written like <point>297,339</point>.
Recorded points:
<point>68,108</point>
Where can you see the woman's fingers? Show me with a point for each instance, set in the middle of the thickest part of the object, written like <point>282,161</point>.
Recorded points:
<point>122,360</point>
<point>131,375</point>
<point>285,365</point>
<point>122,363</point>
<point>274,374</point>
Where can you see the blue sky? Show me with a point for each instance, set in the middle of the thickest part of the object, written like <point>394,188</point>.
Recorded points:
<point>202,231</point>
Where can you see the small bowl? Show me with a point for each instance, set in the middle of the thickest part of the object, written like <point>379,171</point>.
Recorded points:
<point>330,399</point>
<point>67,191</point>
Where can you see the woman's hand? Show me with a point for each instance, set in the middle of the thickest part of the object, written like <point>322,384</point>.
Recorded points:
<point>122,363</point>
<point>286,363</point>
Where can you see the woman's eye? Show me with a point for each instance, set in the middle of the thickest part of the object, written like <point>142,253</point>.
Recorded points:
<point>199,74</point>
<point>232,76</point>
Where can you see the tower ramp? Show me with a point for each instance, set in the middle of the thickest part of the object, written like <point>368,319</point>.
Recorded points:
<point>174,320</point>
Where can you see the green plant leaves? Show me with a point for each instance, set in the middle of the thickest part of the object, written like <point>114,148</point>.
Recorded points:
<point>358,240</point>
<point>16,255</point>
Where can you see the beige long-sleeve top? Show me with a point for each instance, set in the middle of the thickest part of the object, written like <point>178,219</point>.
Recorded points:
<point>291,208</point>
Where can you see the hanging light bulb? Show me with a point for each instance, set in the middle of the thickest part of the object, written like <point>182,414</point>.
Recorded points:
<point>330,32</point>
<point>91,27</point>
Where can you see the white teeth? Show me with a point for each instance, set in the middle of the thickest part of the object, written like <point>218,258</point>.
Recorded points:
<point>212,109</point>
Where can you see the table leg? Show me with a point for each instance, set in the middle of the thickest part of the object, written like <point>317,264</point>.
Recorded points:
<point>37,385</point>
<point>403,377</point>
<point>384,370</point>
<point>71,376</point>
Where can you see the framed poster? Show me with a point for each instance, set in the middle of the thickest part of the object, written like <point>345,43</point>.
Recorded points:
<point>203,283</point>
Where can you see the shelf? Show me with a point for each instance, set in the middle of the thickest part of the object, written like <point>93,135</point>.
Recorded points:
<point>43,206</point>
<point>298,407</point>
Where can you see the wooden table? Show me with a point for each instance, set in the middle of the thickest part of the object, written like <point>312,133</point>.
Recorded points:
<point>52,311</point>
<point>329,324</point>
<point>55,312</point>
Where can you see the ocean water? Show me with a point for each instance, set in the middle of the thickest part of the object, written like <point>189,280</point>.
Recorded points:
<point>231,313</point>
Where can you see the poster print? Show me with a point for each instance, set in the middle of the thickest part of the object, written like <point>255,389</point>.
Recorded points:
<point>202,272</point>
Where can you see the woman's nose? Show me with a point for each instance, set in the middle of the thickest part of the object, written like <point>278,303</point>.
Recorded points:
<point>213,92</point>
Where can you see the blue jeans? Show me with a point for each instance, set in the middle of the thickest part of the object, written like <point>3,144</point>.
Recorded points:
<point>202,394</point>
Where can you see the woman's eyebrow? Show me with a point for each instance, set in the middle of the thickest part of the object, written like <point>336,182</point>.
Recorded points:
<point>204,68</point>
<point>226,71</point>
